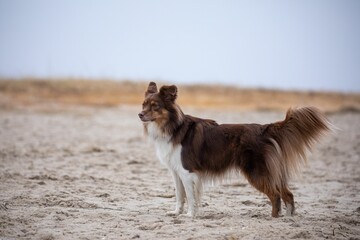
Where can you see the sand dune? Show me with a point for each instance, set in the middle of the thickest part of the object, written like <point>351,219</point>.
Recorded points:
<point>75,172</point>
<point>105,93</point>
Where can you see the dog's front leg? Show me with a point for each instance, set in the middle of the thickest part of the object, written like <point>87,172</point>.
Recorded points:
<point>180,195</point>
<point>192,187</point>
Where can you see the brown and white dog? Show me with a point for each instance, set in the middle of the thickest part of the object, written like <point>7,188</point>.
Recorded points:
<point>196,150</point>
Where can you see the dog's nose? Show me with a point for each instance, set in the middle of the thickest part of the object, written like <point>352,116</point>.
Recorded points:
<point>141,115</point>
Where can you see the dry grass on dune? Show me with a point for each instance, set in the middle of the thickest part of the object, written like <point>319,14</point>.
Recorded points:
<point>68,91</point>
<point>261,99</point>
<point>111,93</point>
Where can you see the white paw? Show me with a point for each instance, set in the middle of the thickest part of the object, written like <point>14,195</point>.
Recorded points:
<point>190,215</point>
<point>288,213</point>
<point>173,213</point>
<point>289,210</point>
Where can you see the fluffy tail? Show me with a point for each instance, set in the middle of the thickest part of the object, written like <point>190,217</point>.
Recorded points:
<point>290,139</point>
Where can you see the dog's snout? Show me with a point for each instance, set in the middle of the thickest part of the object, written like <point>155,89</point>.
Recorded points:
<point>141,115</point>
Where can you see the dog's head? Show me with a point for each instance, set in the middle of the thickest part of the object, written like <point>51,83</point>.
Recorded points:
<point>160,106</point>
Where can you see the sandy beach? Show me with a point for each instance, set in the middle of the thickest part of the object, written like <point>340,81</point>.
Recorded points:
<point>75,172</point>
<point>77,76</point>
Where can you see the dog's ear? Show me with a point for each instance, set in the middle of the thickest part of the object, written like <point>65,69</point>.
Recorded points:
<point>168,93</point>
<point>152,88</point>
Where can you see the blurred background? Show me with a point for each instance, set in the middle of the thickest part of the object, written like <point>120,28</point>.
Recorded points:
<point>258,47</point>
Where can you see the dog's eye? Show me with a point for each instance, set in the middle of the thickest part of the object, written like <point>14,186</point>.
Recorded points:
<point>155,106</point>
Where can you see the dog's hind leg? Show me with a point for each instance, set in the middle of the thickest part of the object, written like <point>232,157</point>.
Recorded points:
<point>180,195</point>
<point>288,199</point>
<point>275,202</point>
<point>273,195</point>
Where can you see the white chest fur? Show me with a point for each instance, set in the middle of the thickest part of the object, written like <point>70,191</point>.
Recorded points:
<point>168,153</point>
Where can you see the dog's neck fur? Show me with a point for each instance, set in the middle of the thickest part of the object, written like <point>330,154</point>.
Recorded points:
<point>154,132</point>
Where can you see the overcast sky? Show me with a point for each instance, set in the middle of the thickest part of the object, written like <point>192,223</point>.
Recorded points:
<point>271,44</point>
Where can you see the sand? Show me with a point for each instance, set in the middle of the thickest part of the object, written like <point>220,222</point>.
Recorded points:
<point>89,173</point>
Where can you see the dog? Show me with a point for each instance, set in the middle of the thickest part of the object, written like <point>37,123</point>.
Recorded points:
<point>196,150</point>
